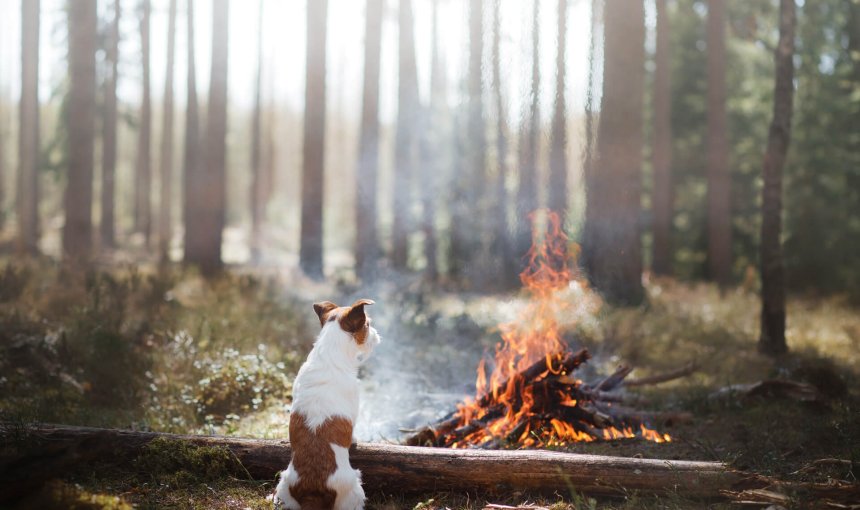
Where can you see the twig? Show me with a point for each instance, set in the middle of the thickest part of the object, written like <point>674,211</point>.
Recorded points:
<point>684,371</point>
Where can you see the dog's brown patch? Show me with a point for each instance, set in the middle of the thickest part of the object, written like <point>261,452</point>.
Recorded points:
<point>352,319</point>
<point>324,311</point>
<point>314,461</point>
<point>355,321</point>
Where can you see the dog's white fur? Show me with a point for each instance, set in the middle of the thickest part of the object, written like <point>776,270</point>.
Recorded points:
<point>326,386</point>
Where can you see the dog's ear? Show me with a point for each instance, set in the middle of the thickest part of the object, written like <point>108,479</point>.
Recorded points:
<point>322,309</point>
<point>355,318</point>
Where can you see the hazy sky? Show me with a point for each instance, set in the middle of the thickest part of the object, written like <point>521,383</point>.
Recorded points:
<point>284,48</point>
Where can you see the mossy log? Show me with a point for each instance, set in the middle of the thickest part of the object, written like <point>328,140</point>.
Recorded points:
<point>402,469</point>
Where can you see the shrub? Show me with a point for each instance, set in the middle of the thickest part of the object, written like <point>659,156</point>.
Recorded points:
<point>237,384</point>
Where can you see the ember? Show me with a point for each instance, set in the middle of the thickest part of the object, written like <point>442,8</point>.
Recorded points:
<point>528,395</point>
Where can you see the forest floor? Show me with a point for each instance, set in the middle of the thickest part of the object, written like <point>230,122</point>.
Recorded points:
<point>217,357</point>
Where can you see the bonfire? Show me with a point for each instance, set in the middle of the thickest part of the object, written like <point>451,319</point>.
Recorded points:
<point>528,394</point>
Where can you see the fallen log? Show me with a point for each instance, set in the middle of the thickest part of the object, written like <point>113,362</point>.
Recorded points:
<point>403,469</point>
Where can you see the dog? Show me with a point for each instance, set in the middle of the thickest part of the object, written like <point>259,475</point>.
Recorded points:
<point>324,410</point>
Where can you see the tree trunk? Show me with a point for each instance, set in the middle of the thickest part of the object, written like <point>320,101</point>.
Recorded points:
<point>192,185</point>
<point>256,192</point>
<point>477,145</point>
<point>213,175</point>
<point>165,224</point>
<point>662,202</point>
<point>502,245</point>
<point>313,154</point>
<point>80,126</point>
<point>772,339</point>
<point>28,134</point>
<point>3,138</point>
<point>107,225</point>
<point>719,175</point>
<point>404,151</point>
<point>467,203</point>
<point>557,157</point>
<point>367,239</point>
<point>527,193</point>
<point>616,267</point>
<point>143,177</point>
<point>591,206</point>
<point>407,469</point>
<point>431,161</point>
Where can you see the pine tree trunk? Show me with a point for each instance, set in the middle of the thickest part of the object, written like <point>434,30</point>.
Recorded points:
<point>616,268</point>
<point>502,245</point>
<point>107,225</point>
<point>557,157</point>
<point>719,175</point>
<point>313,154</point>
<point>527,193</point>
<point>367,240</point>
<point>662,155</point>
<point>591,205</point>
<point>192,185</point>
<point>165,223</point>
<point>431,160</point>
<point>477,145</point>
<point>256,200</point>
<point>213,174</point>
<point>80,119</point>
<point>772,339</point>
<point>3,138</point>
<point>28,138</point>
<point>404,152</point>
<point>143,180</point>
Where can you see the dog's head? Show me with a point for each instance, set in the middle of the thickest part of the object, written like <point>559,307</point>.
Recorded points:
<point>352,320</point>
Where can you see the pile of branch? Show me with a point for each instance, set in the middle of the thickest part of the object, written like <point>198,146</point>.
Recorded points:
<point>550,382</point>
<point>388,469</point>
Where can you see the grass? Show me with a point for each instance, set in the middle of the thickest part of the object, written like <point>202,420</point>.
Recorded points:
<point>189,355</point>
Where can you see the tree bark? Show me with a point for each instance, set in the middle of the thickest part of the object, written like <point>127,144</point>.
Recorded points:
<point>527,192</point>
<point>214,174</point>
<point>557,157</point>
<point>28,137</point>
<point>404,152</point>
<point>719,174</point>
<point>367,238</point>
<point>404,469</point>
<point>615,266</point>
<point>313,154</point>
<point>466,204</point>
<point>772,339</point>
<point>192,187</point>
<point>590,213</point>
<point>143,177</point>
<point>477,145</point>
<point>165,219</point>
<point>663,197</point>
<point>256,192</point>
<point>431,165</point>
<point>502,245</point>
<point>3,138</point>
<point>80,126</point>
<point>107,225</point>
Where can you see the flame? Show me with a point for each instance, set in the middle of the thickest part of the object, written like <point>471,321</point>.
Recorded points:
<point>512,414</point>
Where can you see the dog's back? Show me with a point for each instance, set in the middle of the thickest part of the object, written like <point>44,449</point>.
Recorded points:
<point>314,459</point>
<point>325,406</point>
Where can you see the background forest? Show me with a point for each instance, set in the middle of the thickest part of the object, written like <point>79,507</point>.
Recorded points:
<point>181,179</point>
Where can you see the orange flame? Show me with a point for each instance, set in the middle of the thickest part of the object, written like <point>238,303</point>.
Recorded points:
<point>535,334</point>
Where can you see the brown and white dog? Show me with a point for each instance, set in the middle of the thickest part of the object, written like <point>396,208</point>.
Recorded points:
<point>325,407</point>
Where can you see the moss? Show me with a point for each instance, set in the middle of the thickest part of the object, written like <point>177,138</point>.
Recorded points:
<point>185,463</point>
